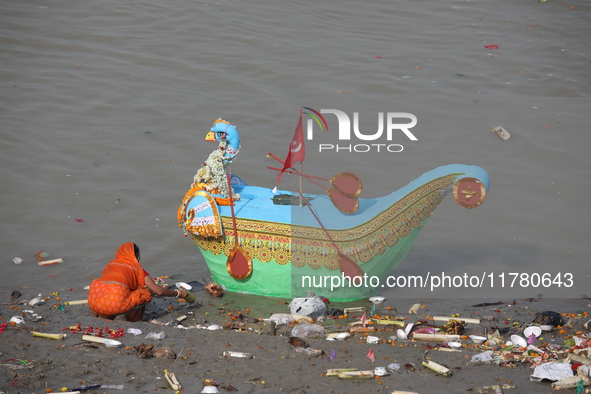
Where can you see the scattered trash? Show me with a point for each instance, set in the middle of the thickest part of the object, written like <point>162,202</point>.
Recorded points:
<point>336,371</point>
<point>549,318</point>
<point>449,319</point>
<point>17,320</point>
<point>15,294</point>
<point>360,328</point>
<point>454,327</point>
<point>485,357</point>
<point>309,351</point>
<point>493,389</point>
<point>491,46</point>
<point>112,386</point>
<point>156,336</point>
<point>237,354</point>
<point>477,339</point>
<point>349,311</point>
<point>454,345</point>
<point>571,383</point>
<point>394,368</point>
<point>48,336</point>
<point>577,358</point>
<point>551,371</point>
<point>172,381</point>
<point>532,339</point>
<point>377,300</point>
<point>355,375</point>
<point>17,260</point>
<point>339,336</point>
<point>50,262</point>
<point>33,316</point>
<point>401,334</point>
<point>105,341</point>
<point>297,342</point>
<point>282,318</point>
<point>440,369</point>
<point>77,302</point>
<point>183,286</point>
<point>37,300</point>
<point>308,331</point>
<point>501,132</point>
<point>436,337</point>
<point>380,371</point>
<point>148,351</point>
<point>371,355</point>
<point>214,289</point>
<point>210,389</point>
<point>134,331</point>
<point>312,306</point>
<point>536,331</point>
<point>332,355</point>
<point>372,339</point>
<point>518,341</point>
<point>414,309</point>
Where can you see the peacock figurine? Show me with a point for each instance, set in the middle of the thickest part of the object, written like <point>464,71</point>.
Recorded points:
<point>212,174</point>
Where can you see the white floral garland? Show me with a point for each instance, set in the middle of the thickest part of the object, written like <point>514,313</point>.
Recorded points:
<point>213,173</point>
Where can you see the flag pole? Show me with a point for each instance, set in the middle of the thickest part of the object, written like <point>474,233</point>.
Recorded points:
<point>301,182</point>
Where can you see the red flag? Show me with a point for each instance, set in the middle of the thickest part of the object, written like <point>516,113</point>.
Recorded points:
<point>371,355</point>
<point>297,148</point>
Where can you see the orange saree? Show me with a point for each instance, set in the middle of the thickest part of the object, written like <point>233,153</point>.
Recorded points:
<point>121,287</point>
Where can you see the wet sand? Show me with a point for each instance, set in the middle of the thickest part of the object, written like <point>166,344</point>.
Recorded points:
<point>35,365</point>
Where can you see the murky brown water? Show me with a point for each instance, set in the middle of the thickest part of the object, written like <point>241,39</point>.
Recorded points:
<point>105,104</point>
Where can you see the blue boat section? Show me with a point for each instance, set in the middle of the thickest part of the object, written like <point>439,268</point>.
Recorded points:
<point>256,203</point>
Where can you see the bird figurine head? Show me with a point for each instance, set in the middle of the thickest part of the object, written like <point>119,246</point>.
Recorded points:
<point>228,137</point>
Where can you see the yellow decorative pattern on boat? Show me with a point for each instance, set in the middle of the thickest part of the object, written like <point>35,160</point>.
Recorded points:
<point>303,245</point>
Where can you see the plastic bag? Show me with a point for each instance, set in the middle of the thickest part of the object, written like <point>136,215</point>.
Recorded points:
<point>549,318</point>
<point>552,371</point>
<point>485,357</point>
<point>308,331</point>
<point>154,335</point>
<point>282,318</point>
<point>312,306</point>
<point>134,331</point>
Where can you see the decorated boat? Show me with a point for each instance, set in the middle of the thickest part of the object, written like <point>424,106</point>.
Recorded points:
<point>278,243</point>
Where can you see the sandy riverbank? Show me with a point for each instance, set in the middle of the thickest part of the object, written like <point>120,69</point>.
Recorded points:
<point>276,366</point>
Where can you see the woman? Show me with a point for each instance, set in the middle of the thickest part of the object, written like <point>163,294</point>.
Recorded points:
<point>125,287</point>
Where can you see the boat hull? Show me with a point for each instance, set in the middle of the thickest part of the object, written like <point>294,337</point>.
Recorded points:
<point>291,253</point>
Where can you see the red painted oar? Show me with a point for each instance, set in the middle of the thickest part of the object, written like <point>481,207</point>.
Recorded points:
<point>346,182</point>
<point>239,265</point>
<point>347,266</point>
<point>343,194</point>
<point>344,203</point>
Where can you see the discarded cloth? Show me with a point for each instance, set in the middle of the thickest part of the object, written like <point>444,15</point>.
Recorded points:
<point>552,371</point>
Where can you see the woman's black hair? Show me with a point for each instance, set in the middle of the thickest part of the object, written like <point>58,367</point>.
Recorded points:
<point>136,250</point>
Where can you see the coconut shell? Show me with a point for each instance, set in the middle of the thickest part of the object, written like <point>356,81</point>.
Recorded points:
<point>163,352</point>
<point>297,342</point>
